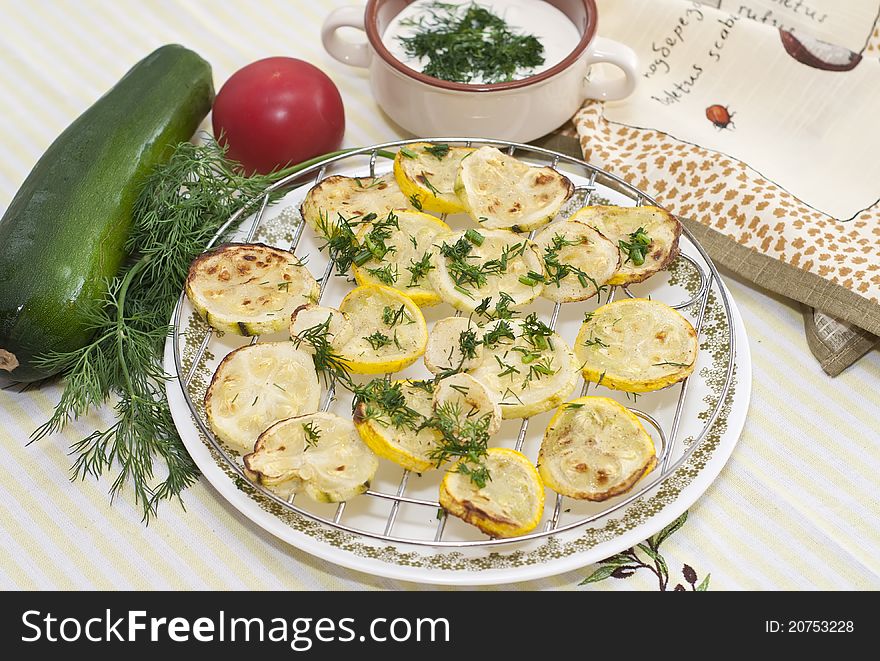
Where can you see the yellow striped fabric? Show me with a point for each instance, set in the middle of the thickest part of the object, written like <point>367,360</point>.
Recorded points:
<point>795,508</point>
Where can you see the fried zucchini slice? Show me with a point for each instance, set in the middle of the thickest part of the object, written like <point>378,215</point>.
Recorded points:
<point>320,452</point>
<point>389,418</point>
<point>643,253</point>
<point>502,192</point>
<point>594,449</point>
<point>474,264</point>
<point>352,198</point>
<point>511,503</point>
<point>257,385</point>
<point>329,320</point>
<point>388,330</point>
<point>577,260</point>
<point>248,289</point>
<point>636,345</point>
<point>470,396</point>
<point>453,345</point>
<point>408,258</point>
<point>426,174</point>
<point>529,366</point>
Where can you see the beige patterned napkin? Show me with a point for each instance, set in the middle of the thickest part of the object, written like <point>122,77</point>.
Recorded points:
<point>764,140</point>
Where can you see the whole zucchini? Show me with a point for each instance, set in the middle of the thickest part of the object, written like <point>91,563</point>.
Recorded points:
<point>64,232</point>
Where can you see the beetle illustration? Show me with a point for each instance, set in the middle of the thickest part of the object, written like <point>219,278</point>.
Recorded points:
<point>720,116</point>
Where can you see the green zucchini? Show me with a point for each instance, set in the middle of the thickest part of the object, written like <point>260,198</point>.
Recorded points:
<point>63,235</point>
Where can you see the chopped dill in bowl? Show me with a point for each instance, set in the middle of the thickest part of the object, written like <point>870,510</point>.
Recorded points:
<point>469,43</point>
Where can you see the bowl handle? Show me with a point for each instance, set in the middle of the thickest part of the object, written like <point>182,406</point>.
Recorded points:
<point>356,55</point>
<point>624,58</point>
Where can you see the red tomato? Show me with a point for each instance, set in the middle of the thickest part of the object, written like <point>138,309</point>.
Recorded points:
<point>276,112</point>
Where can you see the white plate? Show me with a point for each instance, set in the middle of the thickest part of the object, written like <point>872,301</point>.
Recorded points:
<point>658,504</point>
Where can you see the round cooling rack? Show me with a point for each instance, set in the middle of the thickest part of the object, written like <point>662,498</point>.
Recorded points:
<point>397,529</point>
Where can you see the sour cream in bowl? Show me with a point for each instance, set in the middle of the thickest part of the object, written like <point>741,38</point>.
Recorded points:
<point>506,69</point>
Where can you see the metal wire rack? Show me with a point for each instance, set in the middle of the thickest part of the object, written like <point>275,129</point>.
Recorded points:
<point>434,538</point>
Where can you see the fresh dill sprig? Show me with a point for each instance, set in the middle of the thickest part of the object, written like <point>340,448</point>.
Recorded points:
<point>464,43</point>
<point>385,402</point>
<point>420,269</point>
<point>180,207</point>
<point>327,362</point>
<point>464,438</point>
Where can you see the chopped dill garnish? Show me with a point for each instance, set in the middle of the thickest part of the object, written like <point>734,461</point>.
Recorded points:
<point>378,340</point>
<point>387,274</point>
<point>393,317</point>
<point>501,331</point>
<point>438,151</point>
<point>468,343</point>
<point>420,269</point>
<point>312,434</point>
<point>636,247</point>
<point>465,43</point>
<point>593,341</point>
<point>462,437</point>
<point>384,402</point>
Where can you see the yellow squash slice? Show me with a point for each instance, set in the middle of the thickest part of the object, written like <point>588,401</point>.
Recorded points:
<point>257,385</point>
<point>320,452</point>
<point>657,244</point>
<point>577,259</point>
<point>531,372</point>
<point>511,503</point>
<point>636,345</point>
<point>472,397</point>
<point>409,259</point>
<point>352,198</point>
<point>502,192</point>
<point>594,449</point>
<point>454,344</point>
<point>426,174</point>
<point>388,330</point>
<point>248,289</point>
<point>396,434</point>
<point>476,264</point>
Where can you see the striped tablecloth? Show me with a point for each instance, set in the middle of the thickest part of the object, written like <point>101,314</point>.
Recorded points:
<point>796,507</point>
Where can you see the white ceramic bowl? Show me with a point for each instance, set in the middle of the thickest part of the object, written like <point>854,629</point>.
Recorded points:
<point>519,110</point>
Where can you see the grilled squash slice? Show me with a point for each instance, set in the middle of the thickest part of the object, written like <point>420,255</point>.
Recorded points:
<point>473,265</point>
<point>408,259</point>
<point>329,322</point>
<point>426,174</point>
<point>577,259</point>
<point>530,367</point>
<point>502,192</point>
<point>636,345</point>
<point>257,385</point>
<point>511,503</point>
<point>388,330</point>
<point>248,289</point>
<point>352,198</point>
<point>389,420</point>
<point>453,345</point>
<point>652,250</point>
<point>320,452</point>
<point>594,449</point>
<point>472,397</point>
